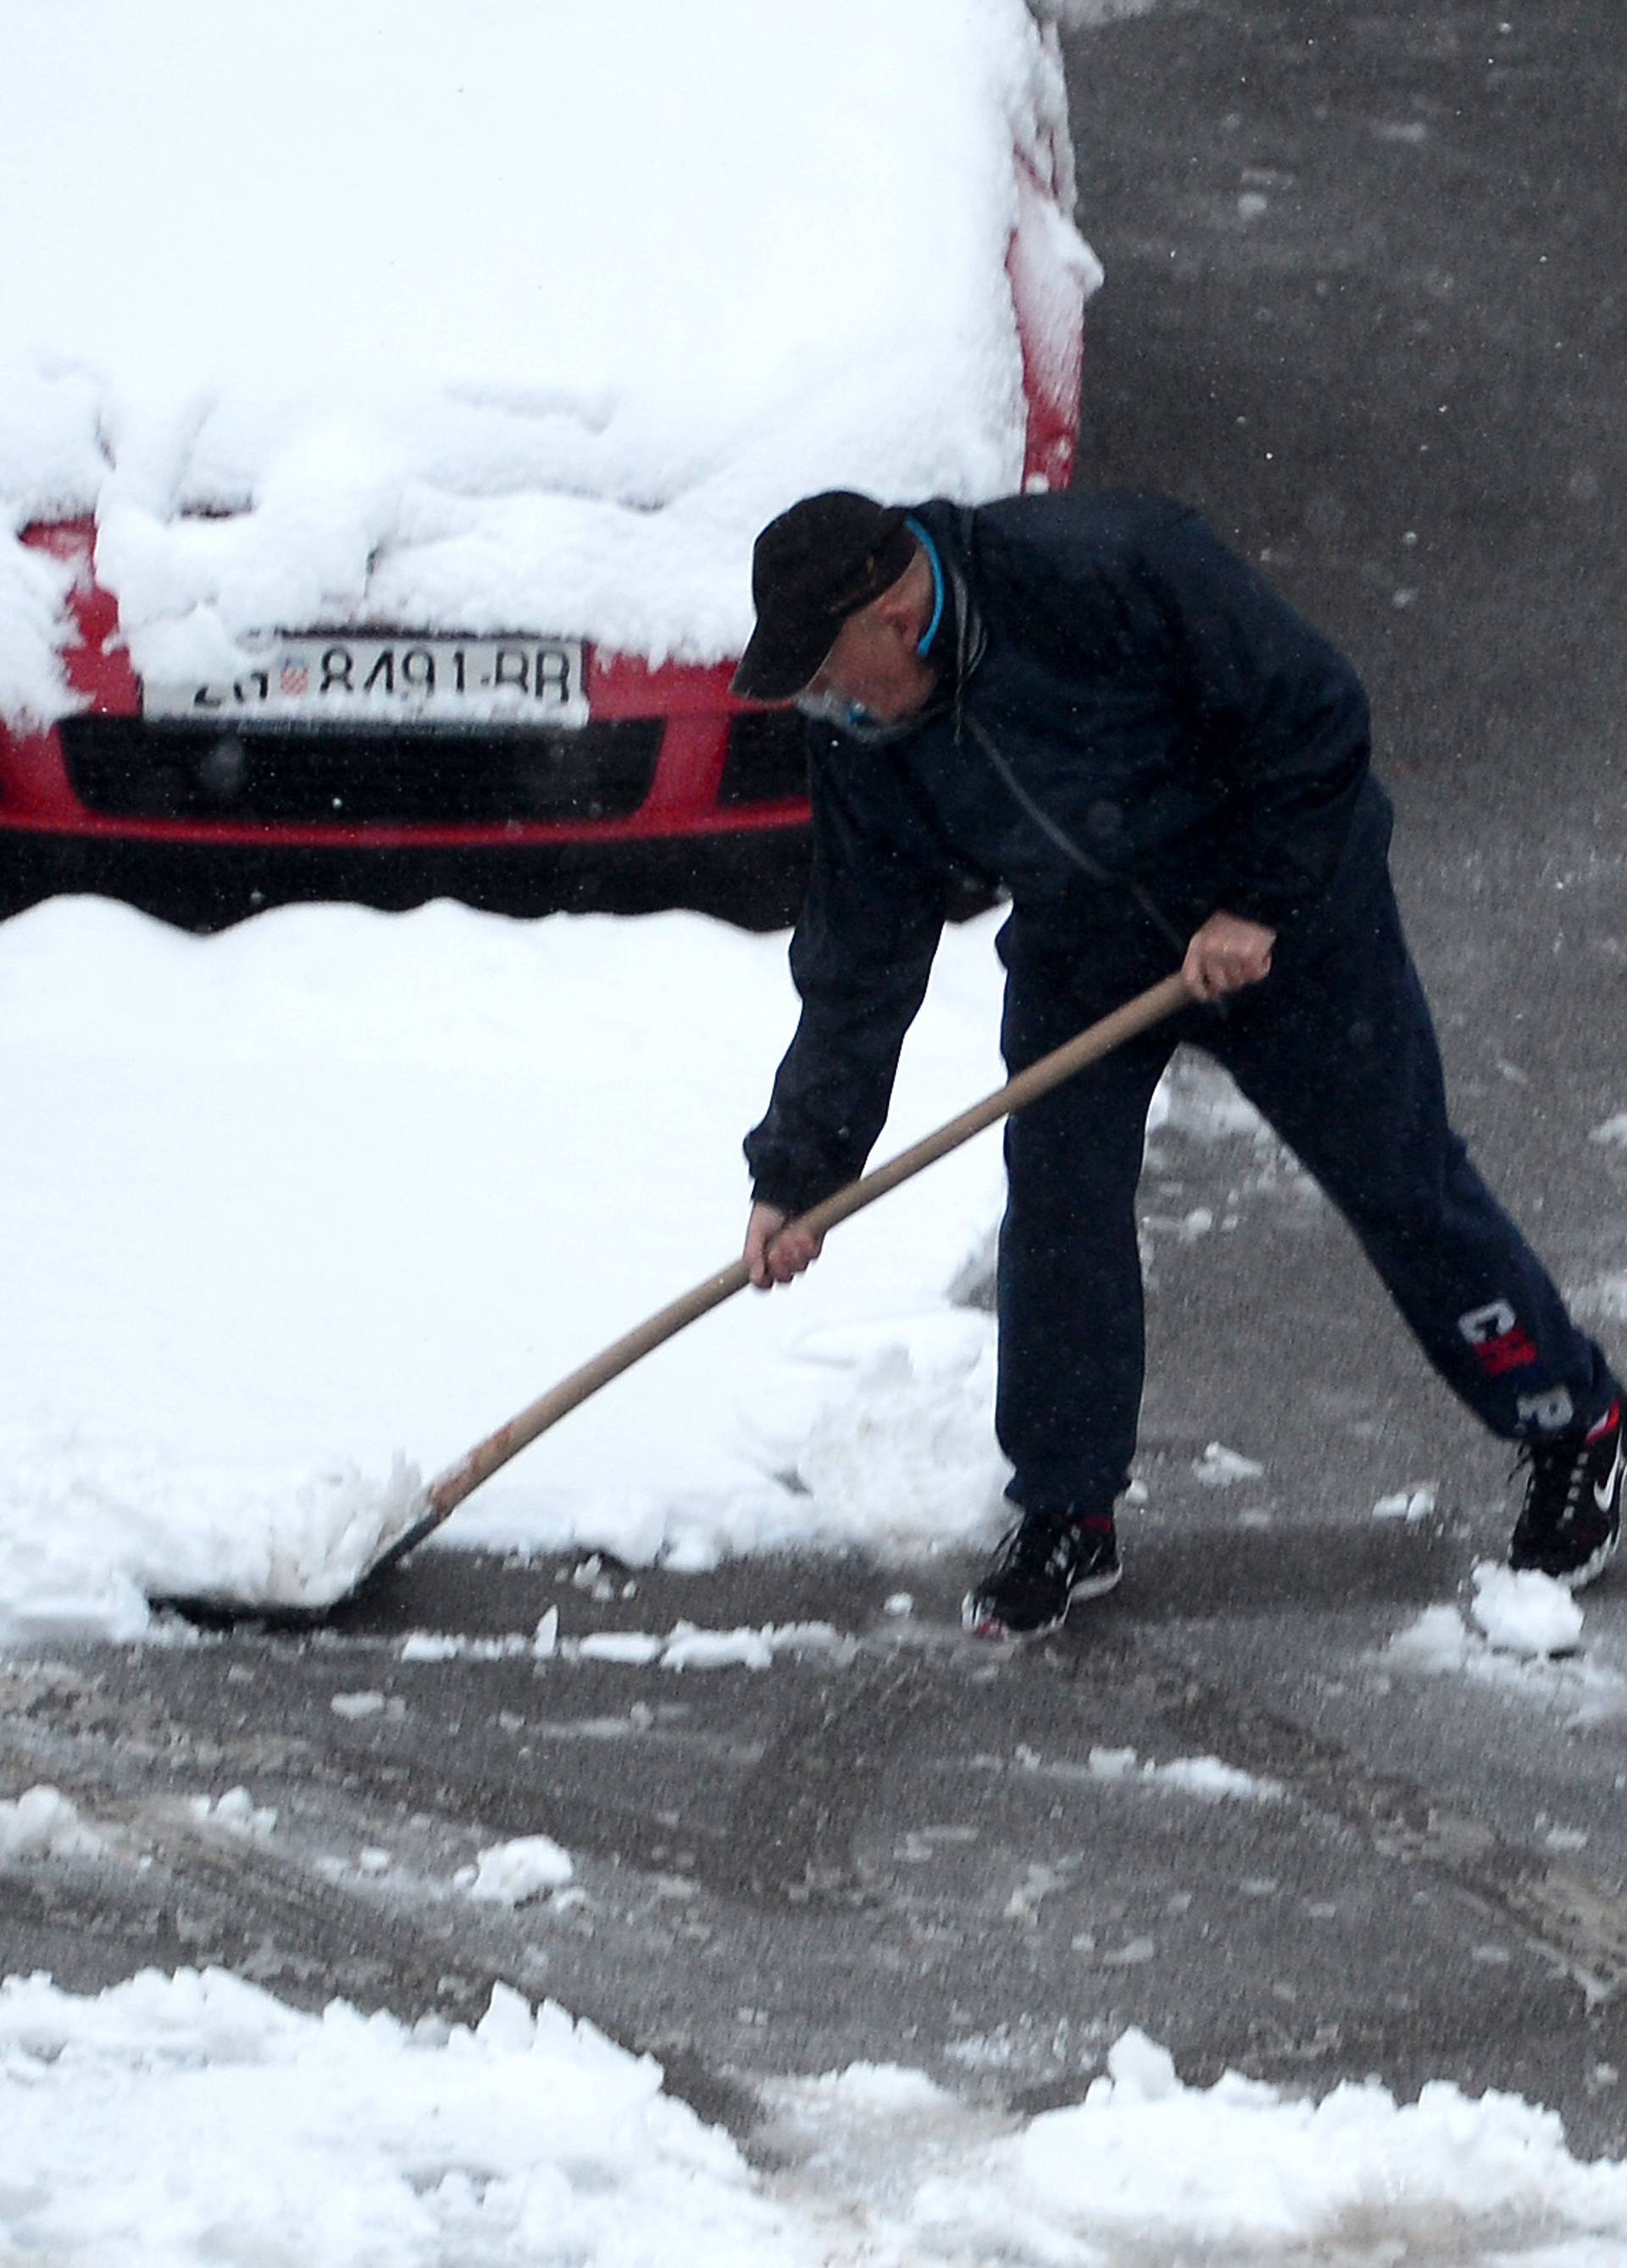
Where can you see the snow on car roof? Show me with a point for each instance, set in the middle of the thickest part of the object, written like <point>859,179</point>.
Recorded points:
<point>491,316</point>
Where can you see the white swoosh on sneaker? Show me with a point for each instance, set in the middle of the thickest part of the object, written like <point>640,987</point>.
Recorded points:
<point>1604,1495</point>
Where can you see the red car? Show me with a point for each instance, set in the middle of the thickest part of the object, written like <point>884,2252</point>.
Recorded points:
<point>346,745</point>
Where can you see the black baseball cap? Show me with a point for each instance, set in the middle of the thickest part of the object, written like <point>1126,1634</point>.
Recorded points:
<point>811,569</point>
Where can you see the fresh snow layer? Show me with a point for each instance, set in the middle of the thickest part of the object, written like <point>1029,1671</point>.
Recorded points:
<point>294,1210</point>
<point>184,2121</point>
<point>492,319</point>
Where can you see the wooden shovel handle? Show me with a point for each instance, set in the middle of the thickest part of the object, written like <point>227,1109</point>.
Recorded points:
<point>446,1493</point>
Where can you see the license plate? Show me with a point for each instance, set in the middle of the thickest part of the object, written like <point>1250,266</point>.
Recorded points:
<point>348,680</point>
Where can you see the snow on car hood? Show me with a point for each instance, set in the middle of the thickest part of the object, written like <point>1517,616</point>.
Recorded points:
<point>510,315</point>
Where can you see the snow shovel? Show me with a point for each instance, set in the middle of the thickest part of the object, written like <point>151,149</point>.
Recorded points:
<point>440,1499</point>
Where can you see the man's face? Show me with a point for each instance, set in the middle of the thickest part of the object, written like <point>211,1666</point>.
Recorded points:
<point>873,664</point>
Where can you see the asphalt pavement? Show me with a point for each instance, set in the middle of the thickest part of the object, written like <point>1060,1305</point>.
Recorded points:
<point>1364,267</point>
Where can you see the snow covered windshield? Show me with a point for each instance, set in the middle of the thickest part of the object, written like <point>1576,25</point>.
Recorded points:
<point>521,314</point>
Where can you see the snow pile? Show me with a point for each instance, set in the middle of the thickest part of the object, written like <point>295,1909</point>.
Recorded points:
<point>278,1203</point>
<point>1526,1617</point>
<point>509,1873</point>
<point>95,1532</point>
<point>1241,2171</point>
<point>42,1823</point>
<point>316,1546</point>
<point>1528,1614</point>
<point>175,2121</point>
<point>494,319</point>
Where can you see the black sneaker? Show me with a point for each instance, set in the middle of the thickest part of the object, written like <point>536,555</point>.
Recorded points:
<point>1040,1566</point>
<point>1572,1517</point>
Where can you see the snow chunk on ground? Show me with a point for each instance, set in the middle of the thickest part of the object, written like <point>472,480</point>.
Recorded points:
<point>1148,2169</point>
<point>43,1824</point>
<point>1209,1778</point>
<point>1221,1467</point>
<point>632,1647</point>
<point>704,1649</point>
<point>685,1646</point>
<point>1613,1129</point>
<point>1528,1614</point>
<point>236,1809</point>
<point>1416,1501</point>
<point>1438,1639</point>
<point>1515,1619</point>
<point>509,1873</point>
<point>1201,1776</point>
<point>177,2122</point>
<point>448,1645</point>
<point>1239,2167</point>
<point>1206,1776</point>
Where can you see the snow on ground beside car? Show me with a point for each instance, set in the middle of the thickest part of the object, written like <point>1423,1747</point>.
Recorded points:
<point>281,1205</point>
<point>171,2121</point>
<point>496,318</point>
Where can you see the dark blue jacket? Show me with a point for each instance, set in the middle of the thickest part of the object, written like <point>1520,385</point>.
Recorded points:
<point>1196,743</point>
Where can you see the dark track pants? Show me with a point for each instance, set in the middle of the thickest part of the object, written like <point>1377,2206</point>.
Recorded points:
<point>1336,1050</point>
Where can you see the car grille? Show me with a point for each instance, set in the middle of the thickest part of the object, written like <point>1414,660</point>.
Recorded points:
<point>767,758</point>
<point>124,766</point>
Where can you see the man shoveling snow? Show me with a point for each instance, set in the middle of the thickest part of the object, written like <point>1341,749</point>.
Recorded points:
<point>1090,702</point>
